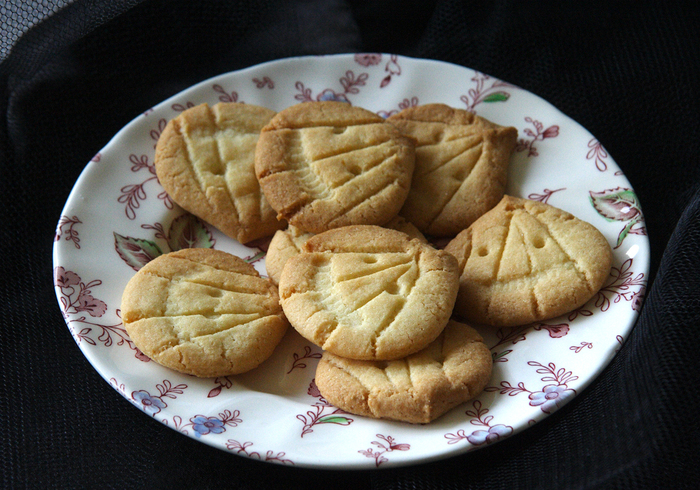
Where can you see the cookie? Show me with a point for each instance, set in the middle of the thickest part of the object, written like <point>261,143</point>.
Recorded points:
<point>284,244</point>
<point>526,261</point>
<point>205,162</point>
<point>461,167</point>
<point>367,292</point>
<point>419,388</point>
<point>203,312</point>
<point>324,165</point>
<point>289,242</point>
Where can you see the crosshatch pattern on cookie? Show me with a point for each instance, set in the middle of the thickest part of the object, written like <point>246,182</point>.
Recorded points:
<point>333,170</point>
<point>527,261</point>
<point>461,166</point>
<point>418,388</point>
<point>205,161</point>
<point>367,298</point>
<point>203,313</point>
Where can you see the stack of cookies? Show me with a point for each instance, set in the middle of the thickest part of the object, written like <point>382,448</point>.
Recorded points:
<point>350,198</point>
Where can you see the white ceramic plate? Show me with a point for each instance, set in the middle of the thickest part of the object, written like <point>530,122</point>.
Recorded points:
<point>117,217</point>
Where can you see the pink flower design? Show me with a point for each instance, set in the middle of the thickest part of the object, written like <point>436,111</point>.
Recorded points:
<point>538,135</point>
<point>64,278</point>
<point>94,307</point>
<point>555,331</point>
<point>390,446</point>
<point>368,59</point>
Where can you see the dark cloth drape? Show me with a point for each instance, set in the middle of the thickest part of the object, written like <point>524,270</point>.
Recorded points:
<point>627,71</point>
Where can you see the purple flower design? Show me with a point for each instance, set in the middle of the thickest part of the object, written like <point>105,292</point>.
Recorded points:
<point>493,434</point>
<point>638,299</point>
<point>203,425</point>
<point>151,404</point>
<point>550,398</point>
<point>333,96</point>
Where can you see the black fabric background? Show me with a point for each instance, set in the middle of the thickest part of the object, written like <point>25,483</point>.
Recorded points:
<point>627,71</point>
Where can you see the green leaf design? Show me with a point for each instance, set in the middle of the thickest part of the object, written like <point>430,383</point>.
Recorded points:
<point>187,231</point>
<point>498,355</point>
<point>255,258</point>
<point>617,204</point>
<point>334,419</point>
<point>626,230</point>
<point>135,251</point>
<point>497,97</point>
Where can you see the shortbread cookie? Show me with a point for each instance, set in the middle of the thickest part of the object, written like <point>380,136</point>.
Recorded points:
<point>526,261</point>
<point>324,165</point>
<point>461,166</point>
<point>203,312</point>
<point>419,388</point>
<point>399,223</point>
<point>289,242</point>
<point>366,292</point>
<point>284,244</point>
<point>205,161</point>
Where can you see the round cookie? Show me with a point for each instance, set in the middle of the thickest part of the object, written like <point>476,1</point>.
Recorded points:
<point>289,242</point>
<point>205,162</point>
<point>526,261</point>
<point>461,167</point>
<point>371,293</point>
<point>324,165</point>
<point>203,312</point>
<point>418,388</point>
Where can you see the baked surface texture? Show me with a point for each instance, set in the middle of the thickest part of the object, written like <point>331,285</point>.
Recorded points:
<point>418,388</point>
<point>290,241</point>
<point>284,244</point>
<point>527,261</point>
<point>371,293</point>
<point>205,161</point>
<point>461,167</point>
<point>324,165</point>
<point>203,312</point>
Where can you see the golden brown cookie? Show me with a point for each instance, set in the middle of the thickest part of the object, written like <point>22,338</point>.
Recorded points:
<point>461,166</point>
<point>324,165</point>
<point>289,242</point>
<point>419,388</point>
<point>526,261</point>
<point>284,244</point>
<point>205,162</point>
<point>366,292</point>
<point>203,312</point>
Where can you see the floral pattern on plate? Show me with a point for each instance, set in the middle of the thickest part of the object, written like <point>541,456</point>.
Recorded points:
<point>118,217</point>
